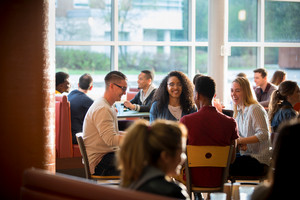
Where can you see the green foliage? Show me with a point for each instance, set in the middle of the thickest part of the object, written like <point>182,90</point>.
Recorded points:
<point>82,60</point>
<point>239,30</point>
<point>282,21</point>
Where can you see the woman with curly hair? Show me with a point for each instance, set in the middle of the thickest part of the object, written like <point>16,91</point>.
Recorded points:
<point>174,98</point>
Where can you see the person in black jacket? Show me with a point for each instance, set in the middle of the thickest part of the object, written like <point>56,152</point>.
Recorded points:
<point>150,155</point>
<point>143,99</point>
<point>80,103</point>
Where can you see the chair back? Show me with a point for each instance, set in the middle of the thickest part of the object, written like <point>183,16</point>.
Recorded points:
<point>64,146</point>
<point>130,95</point>
<point>79,137</point>
<point>208,156</point>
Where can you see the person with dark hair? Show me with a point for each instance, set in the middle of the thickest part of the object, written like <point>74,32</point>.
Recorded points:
<point>195,78</point>
<point>282,103</point>
<point>284,170</point>
<point>263,89</point>
<point>62,83</point>
<point>80,103</point>
<point>174,98</point>
<point>278,77</point>
<point>143,99</point>
<point>208,126</point>
<point>101,134</point>
<point>150,155</point>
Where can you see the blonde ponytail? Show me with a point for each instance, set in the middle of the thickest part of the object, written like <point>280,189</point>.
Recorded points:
<point>143,144</point>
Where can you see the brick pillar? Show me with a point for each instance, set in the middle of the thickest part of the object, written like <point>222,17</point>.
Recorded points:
<point>27,73</point>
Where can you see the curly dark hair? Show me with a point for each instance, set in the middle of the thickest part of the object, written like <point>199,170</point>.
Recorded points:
<point>186,98</point>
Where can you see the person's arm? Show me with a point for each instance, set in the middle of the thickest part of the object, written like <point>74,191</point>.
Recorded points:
<point>133,102</point>
<point>153,112</point>
<point>259,125</point>
<point>233,156</point>
<point>247,140</point>
<point>104,121</point>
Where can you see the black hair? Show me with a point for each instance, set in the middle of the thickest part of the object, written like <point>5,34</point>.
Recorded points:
<point>60,77</point>
<point>114,76</point>
<point>205,86</point>
<point>186,98</point>
<point>149,74</point>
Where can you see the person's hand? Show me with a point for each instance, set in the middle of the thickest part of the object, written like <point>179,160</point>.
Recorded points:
<point>243,147</point>
<point>129,105</point>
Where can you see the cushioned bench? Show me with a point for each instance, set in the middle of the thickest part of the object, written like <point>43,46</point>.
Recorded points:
<point>41,184</point>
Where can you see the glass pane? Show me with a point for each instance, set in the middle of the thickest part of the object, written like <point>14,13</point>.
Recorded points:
<point>161,60</point>
<point>201,60</point>
<point>283,58</point>
<point>202,20</point>
<point>242,21</point>
<point>282,21</point>
<point>77,60</point>
<point>152,20</point>
<point>79,20</point>
<point>242,59</point>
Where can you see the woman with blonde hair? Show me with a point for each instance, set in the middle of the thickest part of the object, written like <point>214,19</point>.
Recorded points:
<point>282,103</point>
<point>149,154</point>
<point>254,156</point>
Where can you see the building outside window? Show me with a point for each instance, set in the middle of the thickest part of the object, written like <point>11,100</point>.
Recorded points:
<point>97,36</point>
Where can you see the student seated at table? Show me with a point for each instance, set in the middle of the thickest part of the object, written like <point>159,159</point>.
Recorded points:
<point>254,142</point>
<point>174,98</point>
<point>263,89</point>
<point>143,99</point>
<point>101,134</point>
<point>282,102</point>
<point>284,173</point>
<point>150,154</point>
<point>80,103</point>
<point>208,126</point>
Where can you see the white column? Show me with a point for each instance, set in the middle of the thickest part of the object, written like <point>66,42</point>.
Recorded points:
<point>218,49</point>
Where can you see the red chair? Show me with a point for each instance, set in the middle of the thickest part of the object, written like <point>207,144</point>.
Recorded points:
<point>130,95</point>
<point>297,107</point>
<point>134,89</point>
<point>64,146</point>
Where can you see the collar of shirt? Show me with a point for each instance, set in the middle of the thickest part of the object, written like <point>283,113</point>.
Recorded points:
<point>144,97</point>
<point>267,88</point>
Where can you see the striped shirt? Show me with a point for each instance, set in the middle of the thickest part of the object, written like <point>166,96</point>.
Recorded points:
<point>254,121</point>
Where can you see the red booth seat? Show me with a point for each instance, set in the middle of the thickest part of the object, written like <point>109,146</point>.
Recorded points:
<point>64,146</point>
<point>40,184</point>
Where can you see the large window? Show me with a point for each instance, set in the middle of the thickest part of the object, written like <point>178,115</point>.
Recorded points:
<point>264,34</point>
<point>95,36</point>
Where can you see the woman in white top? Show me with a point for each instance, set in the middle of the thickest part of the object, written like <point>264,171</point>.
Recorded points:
<point>254,142</point>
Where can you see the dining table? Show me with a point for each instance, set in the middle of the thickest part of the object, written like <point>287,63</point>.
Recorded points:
<point>133,114</point>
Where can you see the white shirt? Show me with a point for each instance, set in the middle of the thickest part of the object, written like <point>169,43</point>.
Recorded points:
<point>254,121</point>
<point>175,111</point>
<point>100,131</point>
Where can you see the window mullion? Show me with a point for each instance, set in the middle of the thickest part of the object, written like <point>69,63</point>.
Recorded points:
<point>114,36</point>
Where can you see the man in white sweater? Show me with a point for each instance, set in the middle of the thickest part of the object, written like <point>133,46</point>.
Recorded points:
<point>100,128</point>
